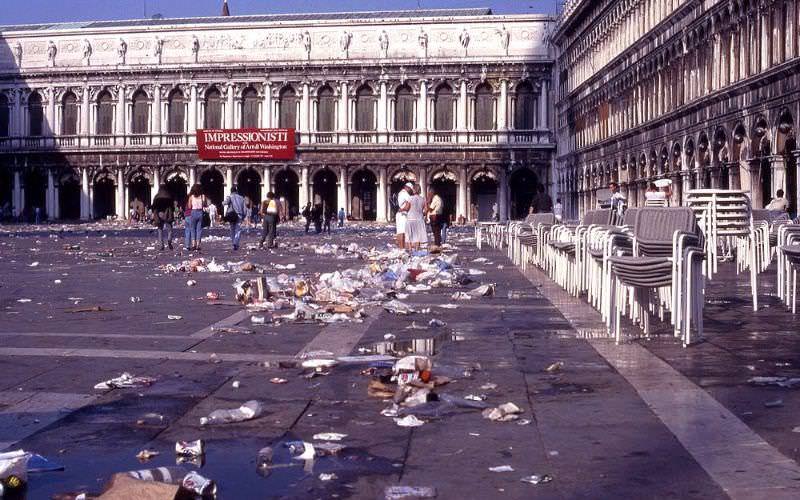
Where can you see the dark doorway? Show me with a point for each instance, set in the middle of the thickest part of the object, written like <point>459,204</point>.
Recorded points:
<point>363,195</point>
<point>524,187</point>
<point>484,195</point>
<point>324,189</point>
<point>138,192</point>
<point>35,182</point>
<point>766,182</point>
<point>287,188</point>
<point>791,175</point>
<point>249,183</point>
<point>178,188</point>
<point>104,192</point>
<point>69,198</point>
<point>6,191</point>
<point>445,184</point>
<point>212,183</point>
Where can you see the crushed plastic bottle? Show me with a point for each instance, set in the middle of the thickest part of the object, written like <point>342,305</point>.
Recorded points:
<point>249,410</point>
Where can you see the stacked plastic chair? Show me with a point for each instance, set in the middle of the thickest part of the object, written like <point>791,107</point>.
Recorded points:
<point>526,238</point>
<point>788,243</point>
<point>664,273</point>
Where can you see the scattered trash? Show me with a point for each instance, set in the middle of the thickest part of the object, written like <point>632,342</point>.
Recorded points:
<point>33,264</point>
<point>409,421</point>
<point>319,364</point>
<point>136,299</point>
<point>536,479</point>
<point>151,419</point>
<point>124,486</point>
<point>777,403</point>
<point>38,463</point>
<point>503,413</point>
<point>796,429</point>
<point>327,476</point>
<point>23,301</point>
<point>57,282</point>
<point>787,382</point>
<point>502,468</point>
<point>406,492</point>
<point>436,323</point>
<point>235,384</point>
<point>258,320</point>
<point>174,317</point>
<point>397,307</point>
<point>555,367</point>
<point>212,295</point>
<point>84,309</point>
<point>329,436</point>
<point>250,410</point>
<point>13,472</point>
<point>489,387</point>
<point>189,448</point>
<point>277,380</point>
<point>389,336</point>
<point>191,283</point>
<point>301,450</point>
<point>146,455</point>
<point>125,380</point>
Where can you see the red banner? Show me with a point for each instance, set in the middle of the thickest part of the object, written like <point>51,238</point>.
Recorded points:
<point>246,144</point>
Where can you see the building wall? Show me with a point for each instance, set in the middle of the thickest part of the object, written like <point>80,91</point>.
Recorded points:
<point>704,93</point>
<point>253,65</point>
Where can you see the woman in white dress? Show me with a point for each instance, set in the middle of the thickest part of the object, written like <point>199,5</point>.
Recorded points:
<point>416,231</point>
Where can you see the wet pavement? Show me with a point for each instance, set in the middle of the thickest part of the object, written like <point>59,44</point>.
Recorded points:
<point>599,426</point>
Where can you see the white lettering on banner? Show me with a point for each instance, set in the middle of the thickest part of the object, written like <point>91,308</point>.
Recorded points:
<point>254,136</point>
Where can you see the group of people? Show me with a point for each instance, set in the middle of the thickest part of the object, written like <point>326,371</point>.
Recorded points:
<point>198,214</point>
<point>412,212</point>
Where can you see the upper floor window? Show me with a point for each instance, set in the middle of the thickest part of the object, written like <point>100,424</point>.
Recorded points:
<point>105,113</point>
<point>35,114</point>
<point>326,109</point>
<point>404,109</point>
<point>213,116</point>
<point>484,107</point>
<point>69,114</point>
<point>443,103</point>
<point>5,116</point>
<point>365,109</point>
<point>141,113</point>
<point>249,108</point>
<point>176,112</point>
<point>287,108</point>
<point>525,108</point>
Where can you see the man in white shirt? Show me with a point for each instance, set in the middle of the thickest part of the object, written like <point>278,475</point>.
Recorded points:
<point>212,214</point>
<point>779,203</point>
<point>558,210</point>
<point>435,211</point>
<point>400,218</point>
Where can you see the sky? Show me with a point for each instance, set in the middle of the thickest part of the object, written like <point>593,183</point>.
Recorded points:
<point>44,11</point>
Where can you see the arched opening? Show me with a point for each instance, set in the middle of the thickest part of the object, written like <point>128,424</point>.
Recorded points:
<point>35,183</point>
<point>213,109</point>
<point>398,179</point>
<point>443,107</point>
<point>103,196</point>
<point>69,114</point>
<point>287,108</point>
<point>324,190</point>
<point>141,113</point>
<point>444,182</point>
<point>689,151</point>
<point>6,192</point>
<point>483,193</point>
<point>404,109</point>
<point>363,195</point>
<point>69,197</point>
<point>249,108</point>
<point>213,184</point>
<point>365,109</point>
<point>326,109</point>
<point>139,192</point>
<point>525,107</point>
<point>35,115</point>
<point>178,187</point>
<point>249,184</point>
<point>5,115</point>
<point>524,185</point>
<point>287,189</point>
<point>105,113</point>
<point>176,112</point>
<point>484,107</point>
<point>786,143</point>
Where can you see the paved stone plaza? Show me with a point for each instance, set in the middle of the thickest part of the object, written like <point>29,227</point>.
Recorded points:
<point>644,419</point>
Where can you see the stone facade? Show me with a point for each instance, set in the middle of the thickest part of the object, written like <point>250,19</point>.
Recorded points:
<point>95,117</point>
<point>700,92</point>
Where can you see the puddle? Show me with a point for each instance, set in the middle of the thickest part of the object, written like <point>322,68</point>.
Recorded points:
<point>423,346</point>
<point>566,388</point>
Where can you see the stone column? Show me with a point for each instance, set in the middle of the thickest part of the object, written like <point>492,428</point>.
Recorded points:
<point>423,181</point>
<point>303,195</point>
<point>120,195</point>
<point>344,104</point>
<point>266,182</point>
<point>226,190</point>
<point>156,128</point>
<point>502,203</point>
<point>85,107</point>
<point>230,106</point>
<point>463,209</point>
<point>266,111</point>
<point>84,193</point>
<point>49,202</point>
<point>342,194</point>
<point>383,108</point>
<point>192,176</point>
<point>121,103</point>
<point>156,184</point>
<point>422,111</point>
<point>461,119</point>
<point>502,107</point>
<point>382,197</point>
<point>778,169</point>
<point>192,129</point>
<point>304,110</point>
<point>49,127</point>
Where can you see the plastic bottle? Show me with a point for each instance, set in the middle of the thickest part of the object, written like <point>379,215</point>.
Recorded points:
<point>250,409</point>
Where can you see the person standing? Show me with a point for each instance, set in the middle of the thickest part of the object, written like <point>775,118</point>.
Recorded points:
<point>400,217</point>
<point>270,214</point>
<point>212,214</point>
<point>307,215</point>
<point>316,216</point>
<point>196,204</point>
<point>37,215</point>
<point>330,215</point>
<point>436,216</point>
<point>341,217</point>
<point>558,210</point>
<point>234,215</point>
<point>163,216</point>
<point>416,233</point>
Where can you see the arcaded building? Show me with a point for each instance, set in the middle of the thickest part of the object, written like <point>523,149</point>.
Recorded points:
<point>704,93</point>
<point>95,117</point>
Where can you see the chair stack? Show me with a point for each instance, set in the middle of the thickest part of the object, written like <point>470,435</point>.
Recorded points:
<point>664,273</point>
<point>563,253</point>
<point>526,238</point>
<point>788,240</point>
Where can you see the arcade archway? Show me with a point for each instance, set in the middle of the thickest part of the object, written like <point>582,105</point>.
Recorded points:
<point>69,197</point>
<point>178,187</point>
<point>287,188</point>
<point>139,192</point>
<point>444,183</point>
<point>249,184</point>
<point>483,195</point>
<point>35,182</point>
<point>212,183</point>
<point>103,197</point>
<point>525,186</point>
<point>6,191</point>
<point>363,195</point>
<point>324,190</point>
